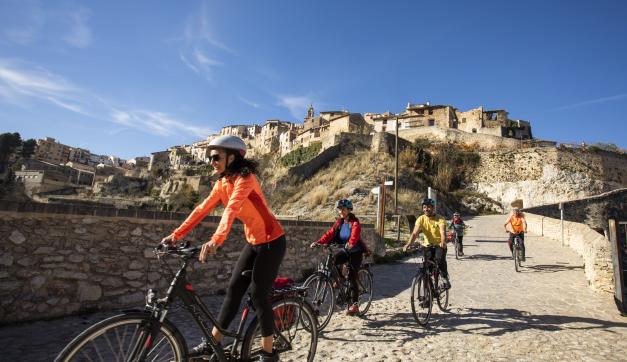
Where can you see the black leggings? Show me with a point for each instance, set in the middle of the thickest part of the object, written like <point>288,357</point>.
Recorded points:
<point>439,254</point>
<point>264,260</point>
<point>354,261</point>
<point>510,242</point>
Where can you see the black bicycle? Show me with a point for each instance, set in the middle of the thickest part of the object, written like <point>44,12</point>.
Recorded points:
<point>324,298</point>
<point>426,285</point>
<point>517,252</point>
<point>146,335</point>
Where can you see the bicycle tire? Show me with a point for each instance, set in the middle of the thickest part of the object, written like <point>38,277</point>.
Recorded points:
<point>365,284</point>
<point>516,259</point>
<point>456,249</point>
<point>84,346</point>
<point>422,298</point>
<point>321,298</point>
<point>283,339</point>
<point>442,295</point>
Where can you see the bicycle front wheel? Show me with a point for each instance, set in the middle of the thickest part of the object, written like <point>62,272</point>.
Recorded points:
<point>517,259</point>
<point>126,337</point>
<point>442,294</point>
<point>295,335</point>
<point>364,283</point>
<point>321,295</point>
<point>421,299</point>
<point>456,249</point>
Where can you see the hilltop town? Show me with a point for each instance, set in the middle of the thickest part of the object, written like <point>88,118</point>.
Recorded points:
<point>177,178</point>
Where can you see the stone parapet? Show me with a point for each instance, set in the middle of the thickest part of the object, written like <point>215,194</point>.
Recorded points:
<point>57,260</point>
<point>594,248</point>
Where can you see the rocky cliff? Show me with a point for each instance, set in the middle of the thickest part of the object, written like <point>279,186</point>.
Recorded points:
<point>546,175</point>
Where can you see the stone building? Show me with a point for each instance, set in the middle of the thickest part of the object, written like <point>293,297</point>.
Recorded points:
<point>268,140</point>
<point>50,150</point>
<point>79,155</point>
<point>494,122</point>
<point>159,161</point>
<point>287,140</point>
<point>478,120</point>
<point>240,131</point>
<point>180,156</point>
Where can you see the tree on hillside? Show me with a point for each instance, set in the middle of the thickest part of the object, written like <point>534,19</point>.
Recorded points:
<point>28,148</point>
<point>9,142</point>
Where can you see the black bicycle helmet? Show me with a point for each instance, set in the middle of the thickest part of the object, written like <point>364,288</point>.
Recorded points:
<point>428,201</point>
<point>344,203</point>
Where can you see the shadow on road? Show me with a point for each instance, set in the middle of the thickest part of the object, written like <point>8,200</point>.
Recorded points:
<point>486,257</point>
<point>549,268</point>
<point>504,240</point>
<point>497,322</point>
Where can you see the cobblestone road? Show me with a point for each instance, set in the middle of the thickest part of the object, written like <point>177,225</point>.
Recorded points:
<point>546,312</point>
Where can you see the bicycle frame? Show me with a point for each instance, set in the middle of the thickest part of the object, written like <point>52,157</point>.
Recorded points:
<point>180,287</point>
<point>431,269</point>
<point>329,269</point>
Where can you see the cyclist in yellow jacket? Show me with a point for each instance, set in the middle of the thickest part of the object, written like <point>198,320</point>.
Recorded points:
<point>433,229</point>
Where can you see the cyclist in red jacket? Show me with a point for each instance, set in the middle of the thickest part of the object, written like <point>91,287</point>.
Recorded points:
<point>346,231</point>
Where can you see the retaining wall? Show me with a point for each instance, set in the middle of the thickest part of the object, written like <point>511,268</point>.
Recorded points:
<point>594,248</point>
<point>57,260</point>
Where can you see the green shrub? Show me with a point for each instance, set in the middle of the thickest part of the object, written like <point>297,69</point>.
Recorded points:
<point>301,155</point>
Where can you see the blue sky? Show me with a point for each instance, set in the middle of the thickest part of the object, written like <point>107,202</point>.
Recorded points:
<point>133,77</point>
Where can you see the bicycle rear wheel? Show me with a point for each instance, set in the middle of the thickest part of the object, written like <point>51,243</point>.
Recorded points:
<point>126,337</point>
<point>421,299</point>
<point>364,283</point>
<point>295,337</point>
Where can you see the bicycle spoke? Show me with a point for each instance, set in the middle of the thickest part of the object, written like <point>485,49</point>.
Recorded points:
<point>86,356</point>
<point>97,350</point>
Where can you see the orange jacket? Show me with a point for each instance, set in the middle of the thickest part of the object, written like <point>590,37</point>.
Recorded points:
<point>243,200</point>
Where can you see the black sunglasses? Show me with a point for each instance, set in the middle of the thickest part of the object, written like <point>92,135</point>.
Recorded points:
<point>214,158</point>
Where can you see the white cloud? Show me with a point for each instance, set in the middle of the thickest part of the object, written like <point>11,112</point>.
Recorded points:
<point>297,105</point>
<point>249,102</point>
<point>158,123</point>
<point>201,45</point>
<point>21,21</point>
<point>25,22</point>
<point>20,83</point>
<point>79,34</point>
<point>592,101</point>
<point>202,58</point>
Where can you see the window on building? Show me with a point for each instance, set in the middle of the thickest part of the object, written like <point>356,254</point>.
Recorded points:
<point>431,122</point>
<point>385,122</point>
<point>383,129</point>
<point>431,111</point>
<point>474,130</point>
<point>463,120</point>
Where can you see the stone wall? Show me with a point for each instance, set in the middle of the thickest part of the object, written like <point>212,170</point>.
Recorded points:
<point>593,211</point>
<point>310,167</point>
<point>594,248</point>
<point>547,175</point>
<point>483,141</point>
<point>58,260</point>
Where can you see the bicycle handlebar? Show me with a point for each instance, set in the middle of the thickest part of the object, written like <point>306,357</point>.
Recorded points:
<point>184,250</point>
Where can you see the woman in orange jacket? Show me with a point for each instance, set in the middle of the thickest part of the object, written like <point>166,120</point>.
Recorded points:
<point>240,193</point>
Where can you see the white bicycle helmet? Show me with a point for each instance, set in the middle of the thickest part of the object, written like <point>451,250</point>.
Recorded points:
<point>229,142</point>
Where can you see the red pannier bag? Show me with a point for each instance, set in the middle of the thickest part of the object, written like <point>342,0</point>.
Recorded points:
<point>284,316</point>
